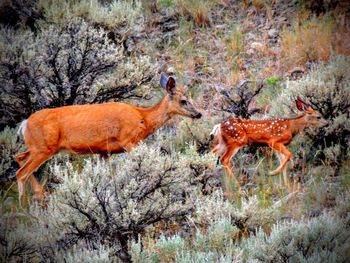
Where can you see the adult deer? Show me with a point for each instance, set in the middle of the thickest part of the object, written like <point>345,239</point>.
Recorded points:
<point>101,128</point>
<point>235,133</point>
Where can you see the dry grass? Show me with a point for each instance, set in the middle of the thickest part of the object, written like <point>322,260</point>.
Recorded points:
<point>342,42</point>
<point>198,11</point>
<point>311,40</point>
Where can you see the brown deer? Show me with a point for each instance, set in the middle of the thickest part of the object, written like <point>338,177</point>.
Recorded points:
<point>233,134</point>
<point>101,128</point>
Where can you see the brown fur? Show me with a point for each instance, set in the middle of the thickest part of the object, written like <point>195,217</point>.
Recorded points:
<point>275,133</point>
<point>85,129</point>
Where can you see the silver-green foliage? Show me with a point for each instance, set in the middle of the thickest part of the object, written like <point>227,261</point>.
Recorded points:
<point>117,14</point>
<point>322,239</point>
<point>210,246</point>
<point>109,203</point>
<point>196,133</point>
<point>218,226</point>
<point>248,216</point>
<point>14,243</point>
<point>73,63</point>
<point>8,148</point>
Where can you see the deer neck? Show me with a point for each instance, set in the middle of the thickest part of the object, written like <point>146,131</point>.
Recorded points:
<point>157,115</point>
<point>298,124</point>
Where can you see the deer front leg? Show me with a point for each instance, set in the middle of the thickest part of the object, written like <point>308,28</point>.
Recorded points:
<point>284,170</point>
<point>280,148</point>
<point>226,161</point>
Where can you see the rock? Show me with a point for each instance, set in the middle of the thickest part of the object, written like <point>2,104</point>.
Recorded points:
<point>315,213</point>
<point>250,52</point>
<point>273,33</point>
<point>296,73</point>
<point>282,19</point>
<point>249,37</point>
<point>276,51</point>
<point>257,46</point>
<point>130,45</point>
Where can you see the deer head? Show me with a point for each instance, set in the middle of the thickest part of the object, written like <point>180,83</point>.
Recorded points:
<point>179,103</point>
<point>312,117</point>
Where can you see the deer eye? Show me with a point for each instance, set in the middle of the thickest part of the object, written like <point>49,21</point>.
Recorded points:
<point>319,117</point>
<point>183,102</point>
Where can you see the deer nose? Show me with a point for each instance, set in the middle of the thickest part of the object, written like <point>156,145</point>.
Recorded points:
<point>198,115</point>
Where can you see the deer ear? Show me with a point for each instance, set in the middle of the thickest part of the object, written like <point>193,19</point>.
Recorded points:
<point>301,105</point>
<point>168,83</point>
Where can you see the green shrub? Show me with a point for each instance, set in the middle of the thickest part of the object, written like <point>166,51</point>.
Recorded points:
<point>195,133</point>
<point>14,241</point>
<point>221,234</point>
<point>168,247</point>
<point>8,149</point>
<point>273,81</point>
<point>214,244</point>
<point>322,239</point>
<point>79,253</point>
<point>197,256</point>
<point>73,64</point>
<point>247,215</point>
<point>18,14</point>
<point>117,14</point>
<point>109,203</point>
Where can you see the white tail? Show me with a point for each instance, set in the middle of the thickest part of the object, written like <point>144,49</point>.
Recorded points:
<point>215,131</point>
<point>22,128</point>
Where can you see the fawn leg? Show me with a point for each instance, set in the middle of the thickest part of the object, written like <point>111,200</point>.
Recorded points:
<point>226,158</point>
<point>281,149</point>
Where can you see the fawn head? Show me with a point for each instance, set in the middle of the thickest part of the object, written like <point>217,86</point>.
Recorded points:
<point>179,103</point>
<point>312,117</point>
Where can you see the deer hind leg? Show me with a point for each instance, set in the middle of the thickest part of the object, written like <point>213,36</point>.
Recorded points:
<point>26,172</point>
<point>215,149</point>
<point>21,158</point>
<point>226,161</point>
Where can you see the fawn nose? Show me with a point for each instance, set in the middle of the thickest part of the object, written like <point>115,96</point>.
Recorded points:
<point>323,122</point>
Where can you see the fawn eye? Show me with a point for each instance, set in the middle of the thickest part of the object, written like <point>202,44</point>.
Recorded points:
<point>318,117</point>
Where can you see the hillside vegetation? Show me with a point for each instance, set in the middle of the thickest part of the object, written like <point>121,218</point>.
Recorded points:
<point>169,200</point>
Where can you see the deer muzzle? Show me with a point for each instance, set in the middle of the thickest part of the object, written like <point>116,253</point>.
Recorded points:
<point>197,115</point>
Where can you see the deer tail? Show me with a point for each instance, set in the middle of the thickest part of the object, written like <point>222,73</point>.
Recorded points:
<point>21,130</point>
<point>215,131</point>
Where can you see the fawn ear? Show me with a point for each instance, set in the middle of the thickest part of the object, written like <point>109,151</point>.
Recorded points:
<point>168,83</point>
<point>302,106</point>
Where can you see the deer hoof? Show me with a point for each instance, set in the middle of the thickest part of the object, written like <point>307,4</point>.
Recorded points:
<point>275,172</point>
<point>42,198</point>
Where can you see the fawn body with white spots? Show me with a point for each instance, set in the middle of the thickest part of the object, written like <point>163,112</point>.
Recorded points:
<point>100,128</point>
<point>235,133</point>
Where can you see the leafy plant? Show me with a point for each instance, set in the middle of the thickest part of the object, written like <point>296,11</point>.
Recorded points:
<point>326,87</point>
<point>64,66</point>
